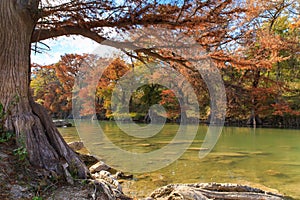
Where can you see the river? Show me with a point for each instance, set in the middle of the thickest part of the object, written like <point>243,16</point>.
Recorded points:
<point>262,157</point>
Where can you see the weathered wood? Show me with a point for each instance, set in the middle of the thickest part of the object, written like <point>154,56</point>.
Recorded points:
<point>212,191</point>
<point>33,127</point>
<point>59,144</point>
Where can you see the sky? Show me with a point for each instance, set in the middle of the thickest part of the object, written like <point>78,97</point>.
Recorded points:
<point>61,46</point>
<point>71,44</point>
<point>67,45</point>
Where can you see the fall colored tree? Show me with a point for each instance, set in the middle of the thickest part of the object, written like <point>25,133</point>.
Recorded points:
<point>47,88</point>
<point>215,25</point>
<point>169,101</point>
<point>53,84</point>
<point>97,86</point>
<point>251,61</point>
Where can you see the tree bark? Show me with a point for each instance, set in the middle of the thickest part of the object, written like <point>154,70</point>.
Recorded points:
<point>254,118</point>
<point>33,127</point>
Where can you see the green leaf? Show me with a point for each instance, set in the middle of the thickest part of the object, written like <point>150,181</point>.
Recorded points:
<point>1,111</point>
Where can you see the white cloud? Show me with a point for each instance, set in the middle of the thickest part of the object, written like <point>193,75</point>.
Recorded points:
<point>61,46</point>
<point>54,2</point>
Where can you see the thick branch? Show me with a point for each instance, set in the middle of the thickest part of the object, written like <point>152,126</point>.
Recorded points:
<point>44,34</point>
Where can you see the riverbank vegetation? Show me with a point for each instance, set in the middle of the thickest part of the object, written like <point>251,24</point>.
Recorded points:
<point>259,63</point>
<point>270,92</point>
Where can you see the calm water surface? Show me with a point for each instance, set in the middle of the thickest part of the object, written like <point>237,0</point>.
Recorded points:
<point>259,157</point>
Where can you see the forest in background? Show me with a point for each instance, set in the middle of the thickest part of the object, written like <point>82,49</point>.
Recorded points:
<point>273,92</point>
<point>259,62</point>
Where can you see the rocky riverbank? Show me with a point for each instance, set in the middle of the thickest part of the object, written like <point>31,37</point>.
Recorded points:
<point>18,180</point>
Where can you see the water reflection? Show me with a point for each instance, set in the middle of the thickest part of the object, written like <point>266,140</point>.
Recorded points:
<point>259,157</point>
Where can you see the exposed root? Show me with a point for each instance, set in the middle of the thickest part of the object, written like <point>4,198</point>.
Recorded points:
<point>212,191</point>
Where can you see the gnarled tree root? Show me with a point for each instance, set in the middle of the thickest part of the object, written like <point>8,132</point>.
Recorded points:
<point>212,191</point>
<point>46,147</point>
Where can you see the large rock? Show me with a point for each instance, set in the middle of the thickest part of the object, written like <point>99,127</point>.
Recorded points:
<point>99,166</point>
<point>20,192</point>
<point>76,145</point>
<point>88,159</point>
<point>203,191</point>
<point>109,179</point>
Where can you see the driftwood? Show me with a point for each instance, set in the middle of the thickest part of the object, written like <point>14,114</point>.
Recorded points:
<point>203,191</point>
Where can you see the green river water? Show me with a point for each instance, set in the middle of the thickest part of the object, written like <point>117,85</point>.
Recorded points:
<point>261,157</point>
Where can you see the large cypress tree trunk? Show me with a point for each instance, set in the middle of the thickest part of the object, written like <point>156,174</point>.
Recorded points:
<point>33,127</point>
